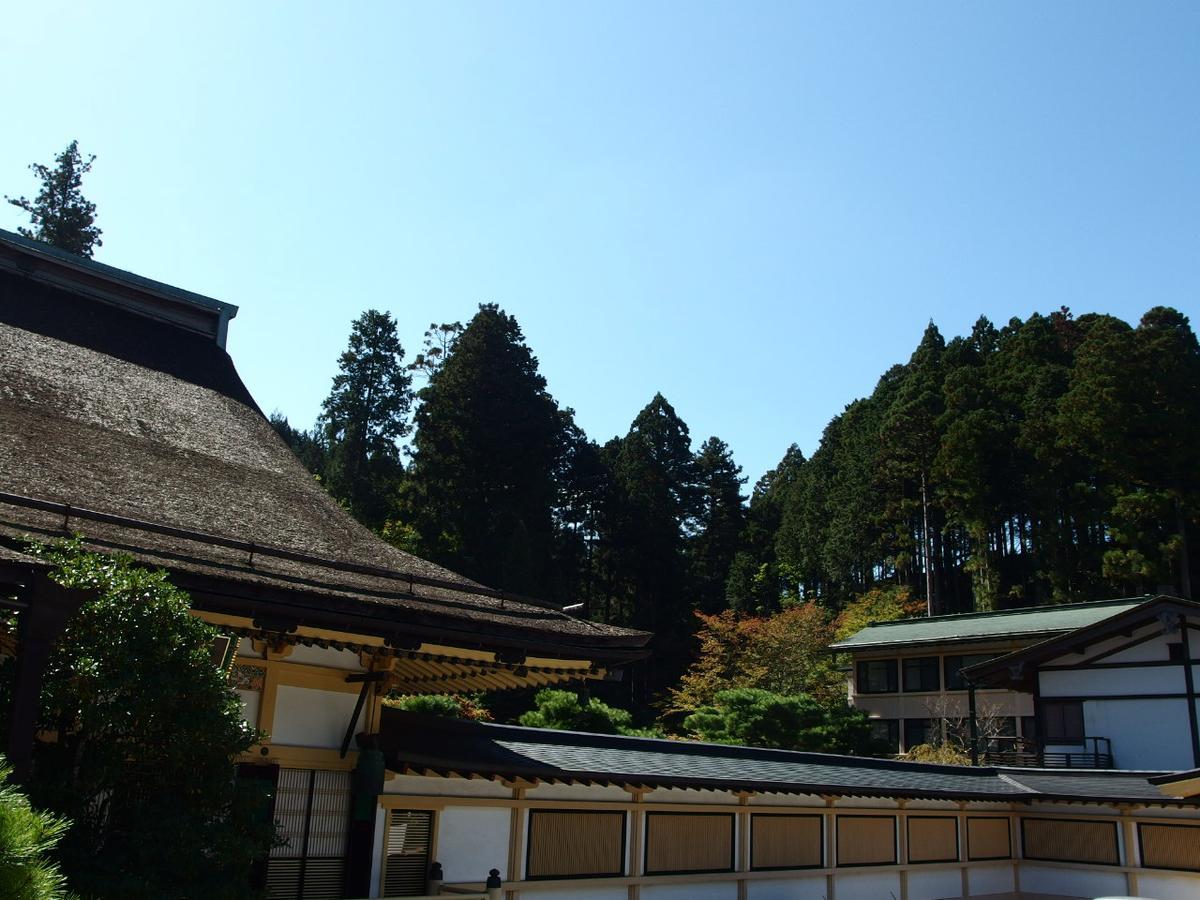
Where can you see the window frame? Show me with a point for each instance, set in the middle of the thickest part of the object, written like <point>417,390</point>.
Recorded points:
<point>923,667</point>
<point>891,675</point>
<point>1051,736</point>
<point>623,862</point>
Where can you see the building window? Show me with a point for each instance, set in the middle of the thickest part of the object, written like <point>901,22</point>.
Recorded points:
<point>887,733</point>
<point>1062,721</point>
<point>1175,651</point>
<point>955,664</point>
<point>406,853</point>
<point>1070,840</point>
<point>1170,846</point>
<point>866,840</point>
<point>921,674</point>
<point>785,841</point>
<point>988,838</point>
<point>312,812</point>
<point>932,839</point>
<point>1029,728</point>
<point>573,843</point>
<point>921,731</point>
<point>877,676</point>
<point>682,843</point>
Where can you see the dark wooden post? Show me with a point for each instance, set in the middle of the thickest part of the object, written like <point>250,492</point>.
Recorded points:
<point>41,623</point>
<point>974,724</point>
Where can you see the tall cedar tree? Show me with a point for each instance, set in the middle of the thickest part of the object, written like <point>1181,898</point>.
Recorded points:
<point>489,441</point>
<point>754,583</point>
<point>364,417</point>
<point>60,214</point>
<point>652,513</point>
<point>147,730</point>
<point>720,518</point>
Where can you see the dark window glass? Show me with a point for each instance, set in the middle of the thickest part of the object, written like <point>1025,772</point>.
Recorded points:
<point>1175,651</point>
<point>1029,728</point>
<point>921,674</point>
<point>887,732</point>
<point>954,681</point>
<point>877,676</point>
<point>1062,721</point>
<point>920,731</point>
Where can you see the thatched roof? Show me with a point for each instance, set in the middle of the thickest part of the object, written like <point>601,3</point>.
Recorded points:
<point>141,436</point>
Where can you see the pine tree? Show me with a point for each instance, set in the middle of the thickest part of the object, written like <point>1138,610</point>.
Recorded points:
<point>365,416</point>
<point>60,214</point>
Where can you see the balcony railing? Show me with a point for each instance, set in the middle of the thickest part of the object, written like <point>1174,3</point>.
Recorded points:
<point>1093,753</point>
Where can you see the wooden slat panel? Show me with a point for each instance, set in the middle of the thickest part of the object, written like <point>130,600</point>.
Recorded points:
<point>406,853</point>
<point>1066,840</point>
<point>866,840</point>
<point>688,842</point>
<point>1170,846</point>
<point>932,839</point>
<point>785,841</point>
<point>575,843</point>
<point>988,838</point>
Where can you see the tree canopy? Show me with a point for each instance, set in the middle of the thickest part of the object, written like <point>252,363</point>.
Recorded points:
<point>147,731</point>
<point>60,214</point>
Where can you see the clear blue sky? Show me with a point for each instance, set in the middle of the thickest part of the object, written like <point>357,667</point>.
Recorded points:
<point>754,208</point>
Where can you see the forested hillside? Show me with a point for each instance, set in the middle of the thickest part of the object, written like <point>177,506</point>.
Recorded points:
<point>1050,460</point>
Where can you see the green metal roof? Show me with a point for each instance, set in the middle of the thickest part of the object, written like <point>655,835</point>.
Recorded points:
<point>1034,622</point>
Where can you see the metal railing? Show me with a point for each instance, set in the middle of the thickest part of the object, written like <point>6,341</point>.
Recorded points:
<point>1094,753</point>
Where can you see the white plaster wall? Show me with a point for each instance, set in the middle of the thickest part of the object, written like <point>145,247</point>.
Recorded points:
<point>471,840</point>
<point>811,887</point>
<point>994,878</point>
<point>687,795</point>
<point>310,718</point>
<point>1145,734</point>
<point>431,786</point>
<point>246,648</point>
<point>1049,879</point>
<point>250,703</point>
<point>863,885</point>
<point>325,656</point>
<point>1094,682</point>
<point>529,891</point>
<point>1152,650</point>
<point>1168,886</point>
<point>598,794</point>
<point>933,884</point>
<point>697,891</point>
<point>786,800</point>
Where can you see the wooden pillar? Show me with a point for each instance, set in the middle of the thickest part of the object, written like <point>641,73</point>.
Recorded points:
<point>743,843</point>
<point>830,849</point>
<point>516,832</point>
<point>41,623</point>
<point>963,865</point>
<point>1130,858</point>
<point>902,849</point>
<point>637,827</point>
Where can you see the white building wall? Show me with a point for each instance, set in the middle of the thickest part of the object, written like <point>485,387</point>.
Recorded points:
<point>471,840</point>
<point>1167,886</point>
<point>934,884</point>
<point>691,891</point>
<point>853,884</point>
<point>1047,878</point>
<point>1112,682</point>
<point>1145,734</point>
<point>810,887</point>
<point>532,892</point>
<point>990,878</point>
<point>305,717</point>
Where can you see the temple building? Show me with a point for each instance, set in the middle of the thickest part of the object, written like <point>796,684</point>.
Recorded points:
<point>123,419</point>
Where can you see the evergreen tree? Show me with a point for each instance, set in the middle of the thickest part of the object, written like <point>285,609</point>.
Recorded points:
<point>488,445</point>
<point>721,518</point>
<point>28,838</point>
<point>364,417</point>
<point>309,446</point>
<point>60,214</point>
<point>146,729</point>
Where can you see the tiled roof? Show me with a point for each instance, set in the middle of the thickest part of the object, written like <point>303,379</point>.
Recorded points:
<point>1034,622</point>
<point>418,743</point>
